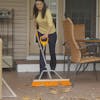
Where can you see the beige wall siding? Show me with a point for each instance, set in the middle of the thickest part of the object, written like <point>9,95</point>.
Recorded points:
<point>20,21</point>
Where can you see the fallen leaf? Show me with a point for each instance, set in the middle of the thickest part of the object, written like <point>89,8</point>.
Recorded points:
<point>82,98</point>
<point>39,98</point>
<point>26,98</point>
<point>53,92</point>
<point>67,90</point>
<point>62,98</point>
<point>78,98</point>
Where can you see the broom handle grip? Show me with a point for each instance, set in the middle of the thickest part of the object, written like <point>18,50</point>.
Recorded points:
<point>44,43</point>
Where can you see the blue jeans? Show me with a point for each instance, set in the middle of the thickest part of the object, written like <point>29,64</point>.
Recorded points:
<point>52,45</point>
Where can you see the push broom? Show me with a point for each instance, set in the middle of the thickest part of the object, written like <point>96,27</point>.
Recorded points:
<point>50,81</point>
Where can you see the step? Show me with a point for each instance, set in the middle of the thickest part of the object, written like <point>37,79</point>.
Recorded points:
<point>33,65</point>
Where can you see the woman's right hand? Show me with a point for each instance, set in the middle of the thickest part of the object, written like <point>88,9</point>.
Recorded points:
<point>45,36</point>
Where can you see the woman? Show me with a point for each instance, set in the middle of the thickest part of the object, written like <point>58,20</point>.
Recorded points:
<point>46,29</point>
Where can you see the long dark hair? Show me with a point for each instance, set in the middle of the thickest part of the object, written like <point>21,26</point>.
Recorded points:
<point>35,10</point>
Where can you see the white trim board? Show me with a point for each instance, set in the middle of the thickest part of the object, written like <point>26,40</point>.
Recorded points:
<point>35,67</point>
<point>36,57</point>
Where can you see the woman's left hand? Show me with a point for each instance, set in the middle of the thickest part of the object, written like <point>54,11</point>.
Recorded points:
<point>45,36</point>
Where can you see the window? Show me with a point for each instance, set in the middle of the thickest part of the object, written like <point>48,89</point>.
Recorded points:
<point>52,4</point>
<point>82,12</point>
